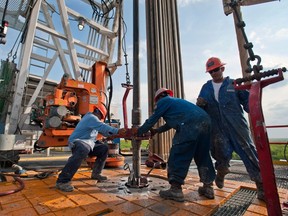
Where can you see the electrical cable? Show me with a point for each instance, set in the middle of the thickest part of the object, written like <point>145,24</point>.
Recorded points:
<point>22,31</point>
<point>110,94</point>
<point>97,10</point>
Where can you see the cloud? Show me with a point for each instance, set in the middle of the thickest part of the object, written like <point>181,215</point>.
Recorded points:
<point>281,34</point>
<point>184,3</point>
<point>142,50</point>
<point>274,106</point>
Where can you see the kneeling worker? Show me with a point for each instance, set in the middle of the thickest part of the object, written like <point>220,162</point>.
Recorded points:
<point>83,143</point>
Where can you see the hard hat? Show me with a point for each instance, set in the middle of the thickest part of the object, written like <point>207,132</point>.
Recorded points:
<point>162,90</point>
<point>213,63</point>
<point>100,108</point>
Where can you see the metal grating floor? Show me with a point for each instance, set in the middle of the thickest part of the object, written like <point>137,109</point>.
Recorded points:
<point>237,204</point>
<point>239,173</point>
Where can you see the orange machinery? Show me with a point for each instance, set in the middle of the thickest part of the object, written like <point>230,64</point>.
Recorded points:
<point>64,107</point>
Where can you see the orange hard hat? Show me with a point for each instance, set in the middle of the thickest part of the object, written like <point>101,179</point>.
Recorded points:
<point>100,108</point>
<point>213,63</point>
<point>162,90</point>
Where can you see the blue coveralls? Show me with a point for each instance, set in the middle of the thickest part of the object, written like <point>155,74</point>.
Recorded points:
<point>230,130</point>
<point>83,143</point>
<point>191,140</point>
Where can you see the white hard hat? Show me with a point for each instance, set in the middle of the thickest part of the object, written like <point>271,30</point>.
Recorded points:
<point>162,90</point>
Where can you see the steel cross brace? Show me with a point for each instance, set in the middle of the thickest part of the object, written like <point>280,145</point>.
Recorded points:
<point>262,142</point>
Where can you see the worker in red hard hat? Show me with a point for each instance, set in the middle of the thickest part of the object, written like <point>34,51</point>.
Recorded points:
<point>191,140</point>
<point>230,130</point>
<point>83,142</point>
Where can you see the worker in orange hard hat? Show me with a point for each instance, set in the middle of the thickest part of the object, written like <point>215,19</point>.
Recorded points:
<point>230,130</point>
<point>102,110</point>
<point>191,140</point>
<point>214,63</point>
<point>83,142</point>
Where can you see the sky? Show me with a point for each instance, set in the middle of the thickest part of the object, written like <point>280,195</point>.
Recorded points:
<point>206,31</point>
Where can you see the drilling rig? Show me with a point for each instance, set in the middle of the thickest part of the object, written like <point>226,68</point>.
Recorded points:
<point>49,37</point>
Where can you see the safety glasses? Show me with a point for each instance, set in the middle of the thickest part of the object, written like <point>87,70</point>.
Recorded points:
<point>215,70</point>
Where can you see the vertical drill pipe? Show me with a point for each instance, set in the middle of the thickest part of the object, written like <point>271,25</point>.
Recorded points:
<point>136,112</point>
<point>163,60</point>
<point>4,12</point>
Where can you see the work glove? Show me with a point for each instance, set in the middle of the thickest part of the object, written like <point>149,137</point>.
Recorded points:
<point>134,131</point>
<point>201,102</point>
<point>122,132</point>
<point>153,131</point>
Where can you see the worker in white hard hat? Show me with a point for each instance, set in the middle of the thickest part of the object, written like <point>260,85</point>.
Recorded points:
<point>230,130</point>
<point>191,140</point>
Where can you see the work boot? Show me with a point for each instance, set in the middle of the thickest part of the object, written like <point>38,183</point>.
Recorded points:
<point>65,187</point>
<point>219,180</point>
<point>98,177</point>
<point>174,193</point>
<point>206,190</point>
<point>260,191</point>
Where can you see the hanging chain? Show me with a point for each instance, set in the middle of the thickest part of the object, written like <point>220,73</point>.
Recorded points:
<point>248,45</point>
<point>125,53</point>
<point>127,72</point>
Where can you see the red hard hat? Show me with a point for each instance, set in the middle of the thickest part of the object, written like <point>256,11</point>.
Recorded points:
<point>162,90</point>
<point>213,63</point>
<point>101,108</point>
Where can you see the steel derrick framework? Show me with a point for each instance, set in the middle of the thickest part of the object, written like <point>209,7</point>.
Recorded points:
<point>50,36</point>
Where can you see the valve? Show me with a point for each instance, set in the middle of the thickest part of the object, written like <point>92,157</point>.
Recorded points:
<point>18,169</point>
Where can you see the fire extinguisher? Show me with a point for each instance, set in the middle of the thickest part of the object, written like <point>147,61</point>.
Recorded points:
<point>4,26</point>
<point>3,31</point>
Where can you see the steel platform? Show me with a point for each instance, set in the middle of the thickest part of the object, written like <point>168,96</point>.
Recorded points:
<point>39,196</point>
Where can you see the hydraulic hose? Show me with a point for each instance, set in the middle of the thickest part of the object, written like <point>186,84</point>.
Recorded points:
<point>22,185</point>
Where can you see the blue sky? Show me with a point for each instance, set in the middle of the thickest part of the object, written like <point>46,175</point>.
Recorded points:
<point>266,27</point>
<point>206,31</point>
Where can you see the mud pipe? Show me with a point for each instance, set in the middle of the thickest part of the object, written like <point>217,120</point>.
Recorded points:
<point>135,181</point>
<point>124,106</point>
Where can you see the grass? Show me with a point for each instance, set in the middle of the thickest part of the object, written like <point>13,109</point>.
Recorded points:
<point>126,144</point>
<point>278,152</point>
